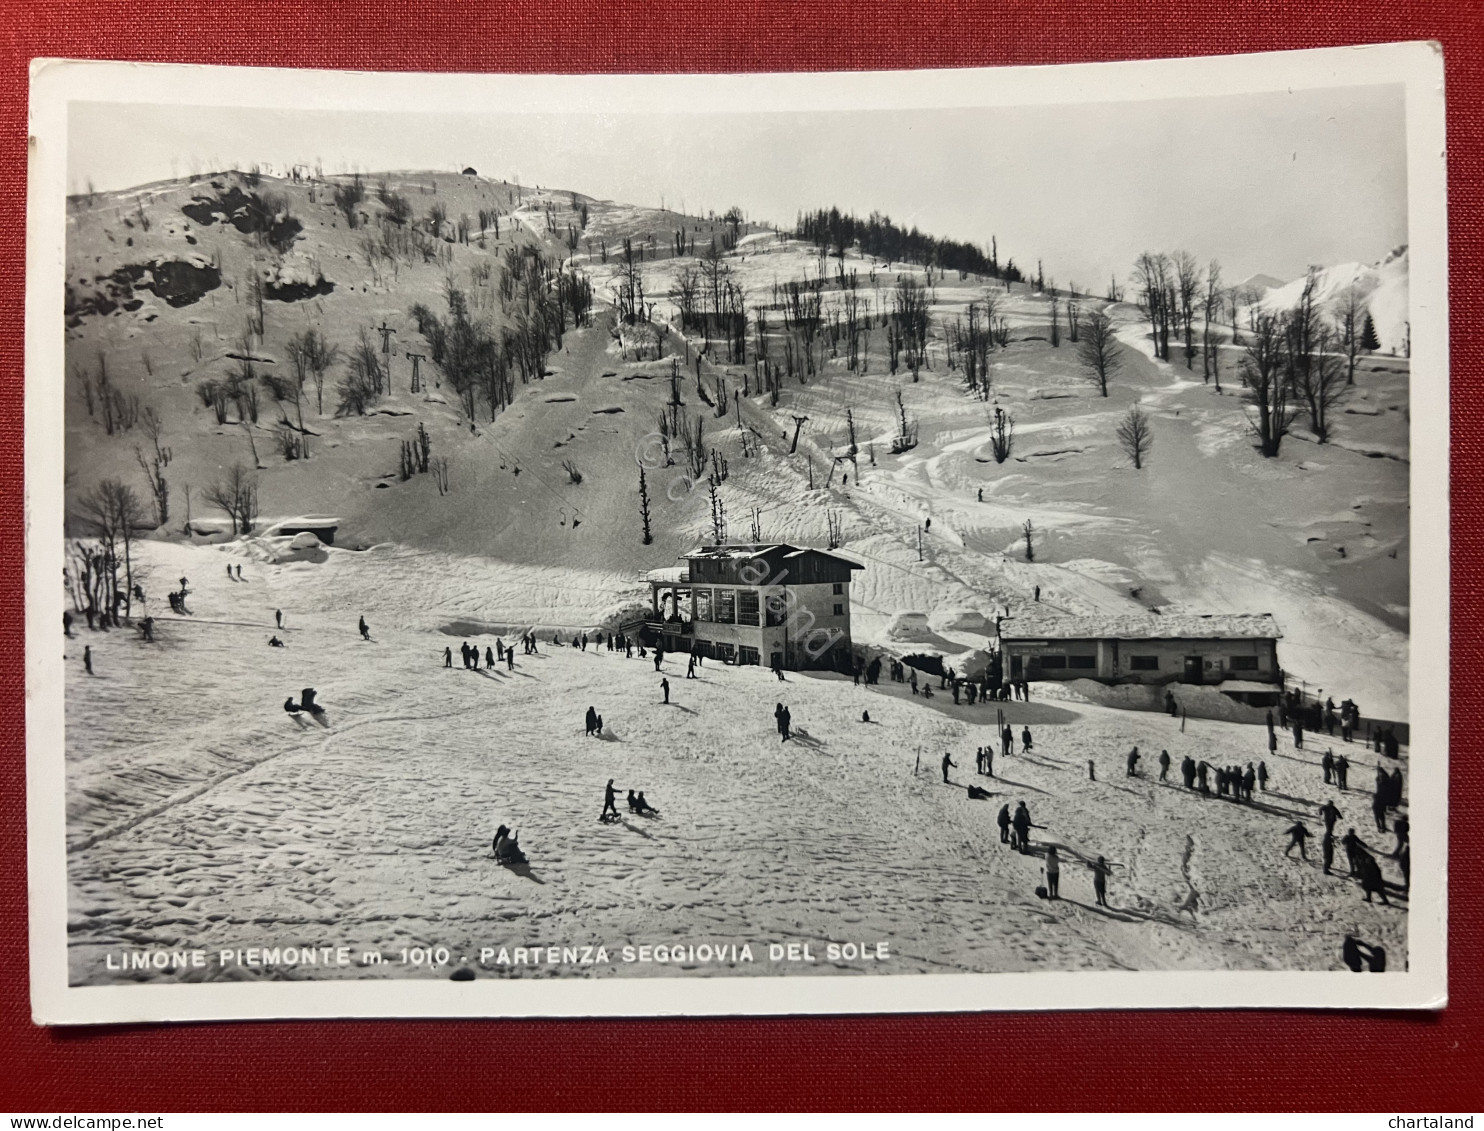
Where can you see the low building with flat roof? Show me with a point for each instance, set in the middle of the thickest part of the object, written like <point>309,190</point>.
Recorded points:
<point>1152,648</point>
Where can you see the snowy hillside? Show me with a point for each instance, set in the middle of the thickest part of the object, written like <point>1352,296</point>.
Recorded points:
<point>374,831</point>
<point>162,291</point>
<point>1381,288</point>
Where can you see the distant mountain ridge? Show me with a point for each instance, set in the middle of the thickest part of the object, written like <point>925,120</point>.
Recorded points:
<point>1383,289</point>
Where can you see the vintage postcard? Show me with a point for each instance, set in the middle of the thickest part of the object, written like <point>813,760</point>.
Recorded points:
<point>575,545</point>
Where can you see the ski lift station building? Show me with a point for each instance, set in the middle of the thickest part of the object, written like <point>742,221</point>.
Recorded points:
<point>775,604</point>
<point>1219,648</point>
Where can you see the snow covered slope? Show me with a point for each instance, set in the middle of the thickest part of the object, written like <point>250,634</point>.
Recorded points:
<point>205,816</point>
<point>1381,288</point>
<point>1318,537</point>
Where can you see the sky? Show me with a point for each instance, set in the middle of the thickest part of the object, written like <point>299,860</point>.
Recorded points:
<point>1266,183</point>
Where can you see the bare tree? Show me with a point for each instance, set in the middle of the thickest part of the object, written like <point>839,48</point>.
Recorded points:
<point>439,467</point>
<point>644,506</point>
<point>1152,278</point>
<point>1350,331</point>
<point>1029,531</point>
<point>114,514</point>
<point>237,495</point>
<point>1187,287</point>
<point>1320,382</point>
<point>1134,436</point>
<point>1210,336</point>
<point>348,198</point>
<point>1263,372</point>
<point>1098,349</point>
<point>153,465</point>
<point>1002,435</point>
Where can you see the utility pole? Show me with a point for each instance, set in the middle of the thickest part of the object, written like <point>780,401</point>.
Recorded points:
<point>919,542</point>
<point>798,424</point>
<point>386,333</point>
<point>416,382</point>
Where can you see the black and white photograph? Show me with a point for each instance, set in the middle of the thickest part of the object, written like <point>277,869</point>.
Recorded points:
<point>725,544</point>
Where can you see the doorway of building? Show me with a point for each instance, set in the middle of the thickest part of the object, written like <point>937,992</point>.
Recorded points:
<point>1194,666</point>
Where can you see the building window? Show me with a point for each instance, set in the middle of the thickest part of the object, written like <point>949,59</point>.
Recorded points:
<point>777,609</point>
<point>1244,663</point>
<point>1053,661</point>
<point>1143,663</point>
<point>1082,662</point>
<point>747,606</point>
<point>726,606</point>
<point>702,603</point>
<point>747,655</point>
<point>838,589</point>
<point>839,610</point>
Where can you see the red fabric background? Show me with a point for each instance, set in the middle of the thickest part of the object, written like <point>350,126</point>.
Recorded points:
<point>1060,1061</point>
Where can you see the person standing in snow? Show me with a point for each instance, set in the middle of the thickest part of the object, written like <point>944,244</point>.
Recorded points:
<point>1007,741</point>
<point>947,762</point>
<point>665,687</point>
<point>365,629</point>
<point>448,656</point>
<point>1249,779</point>
<point>510,659</point>
<point>787,721</point>
<point>1021,823</point>
<point>1132,763</point>
<point>1378,810</point>
<point>690,668</point>
<point>474,657</point>
<point>278,616</point>
<point>1003,820</point>
<point>1100,873</point>
<point>1342,772</point>
<point>1298,735</point>
<point>608,806</point>
<point>1327,763</point>
<point>1187,771</point>
<point>1053,872</point>
<point>1262,776</point>
<point>1327,851</point>
<point>1164,764</point>
<point>87,658</point>
<point>499,649</point>
<point>1026,745</point>
<point>591,723</point>
<point>489,657</point>
<point>658,657</point>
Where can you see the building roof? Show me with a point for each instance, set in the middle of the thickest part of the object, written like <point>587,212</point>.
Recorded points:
<point>1168,626</point>
<point>669,575</point>
<point>748,550</point>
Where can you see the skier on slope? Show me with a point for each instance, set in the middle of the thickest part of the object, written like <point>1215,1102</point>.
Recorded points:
<point>365,629</point>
